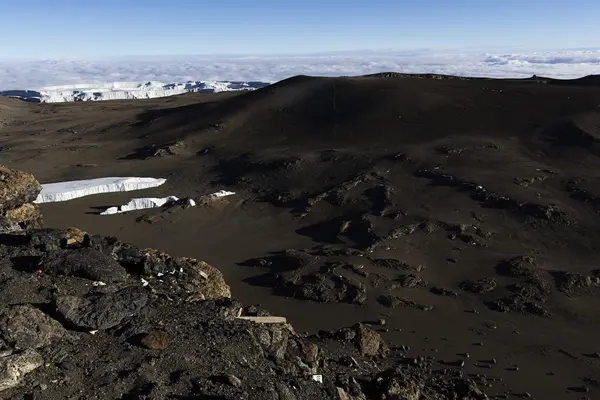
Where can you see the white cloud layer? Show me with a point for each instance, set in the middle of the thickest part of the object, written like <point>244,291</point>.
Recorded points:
<point>555,64</point>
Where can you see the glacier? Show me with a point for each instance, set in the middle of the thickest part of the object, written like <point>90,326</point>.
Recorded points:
<point>63,191</point>
<point>127,90</point>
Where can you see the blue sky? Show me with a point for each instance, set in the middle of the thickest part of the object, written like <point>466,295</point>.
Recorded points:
<point>43,29</point>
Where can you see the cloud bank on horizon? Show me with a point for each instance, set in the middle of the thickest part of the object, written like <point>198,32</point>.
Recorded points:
<point>562,64</point>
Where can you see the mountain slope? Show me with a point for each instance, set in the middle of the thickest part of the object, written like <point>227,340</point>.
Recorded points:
<point>461,211</point>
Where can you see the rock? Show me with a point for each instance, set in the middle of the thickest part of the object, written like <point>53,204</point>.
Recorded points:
<point>153,262</point>
<point>203,278</point>
<point>73,236</point>
<point>402,387</point>
<point>16,188</point>
<point>574,284</point>
<point>85,263</point>
<point>14,367</point>
<point>341,394</point>
<point>232,380</point>
<point>395,301</point>
<point>274,339</point>
<point>23,327</point>
<point>156,340</point>
<point>310,352</point>
<point>23,218</point>
<point>466,389</point>
<point>197,278</point>
<point>101,311</point>
<point>369,342</point>
<point>480,286</point>
<point>525,267</point>
<point>284,392</point>
<point>519,304</point>
<point>443,292</point>
<point>408,281</point>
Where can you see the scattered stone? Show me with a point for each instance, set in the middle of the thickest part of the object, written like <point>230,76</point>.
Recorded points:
<point>525,267</point>
<point>520,304</point>
<point>574,284</point>
<point>23,327</point>
<point>169,149</point>
<point>395,301</point>
<point>402,387</point>
<point>408,281</point>
<point>443,292</point>
<point>480,286</point>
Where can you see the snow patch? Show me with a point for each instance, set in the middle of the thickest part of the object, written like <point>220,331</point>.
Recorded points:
<point>154,202</point>
<point>141,204</point>
<point>222,193</point>
<point>63,191</point>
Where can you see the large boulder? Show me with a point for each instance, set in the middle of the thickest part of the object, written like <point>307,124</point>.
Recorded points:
<point>17,188</point>
<point>25,217</point>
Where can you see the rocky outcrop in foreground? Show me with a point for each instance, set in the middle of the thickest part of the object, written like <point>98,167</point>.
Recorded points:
<point>90,317</point>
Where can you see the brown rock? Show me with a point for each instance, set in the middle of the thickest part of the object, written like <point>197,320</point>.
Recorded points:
<point>25,217</point>
<point>17,188</point>
<point>202,278</point>
<point>73,236</point>
<point>369,342</point>
<point>156,340</point>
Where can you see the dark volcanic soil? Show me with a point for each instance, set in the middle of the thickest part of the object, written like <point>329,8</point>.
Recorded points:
<point>463,212</point>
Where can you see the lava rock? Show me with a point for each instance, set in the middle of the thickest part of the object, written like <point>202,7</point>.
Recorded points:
<point>85,263</point>
<point>101,311</point>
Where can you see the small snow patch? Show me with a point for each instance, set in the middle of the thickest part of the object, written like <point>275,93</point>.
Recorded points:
<point>222,193</point>
<point>141,204</point>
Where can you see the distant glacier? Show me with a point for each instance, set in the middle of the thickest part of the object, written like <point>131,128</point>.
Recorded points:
<point>127,90</point>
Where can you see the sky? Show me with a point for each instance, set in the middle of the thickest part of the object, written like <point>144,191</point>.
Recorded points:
<point>58,29</point>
